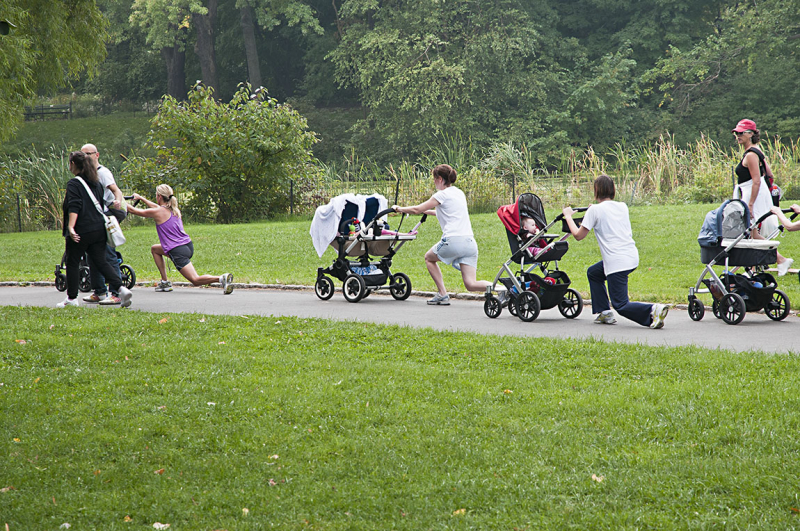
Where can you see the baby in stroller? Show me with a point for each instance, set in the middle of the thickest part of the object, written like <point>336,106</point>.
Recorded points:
<point>355,226</point>
<point>528,292</point>
<point>724,239</point>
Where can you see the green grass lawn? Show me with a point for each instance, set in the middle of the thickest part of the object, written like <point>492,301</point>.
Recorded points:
<point>219,422</point>
<point>281,252</point>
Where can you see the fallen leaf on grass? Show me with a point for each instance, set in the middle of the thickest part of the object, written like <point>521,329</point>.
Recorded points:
<point>164,320</point>
<point>97,472</point>
<point>6,489</point>
<point>52,326</point>
<point>273,456</point>
<point>203,320</point>
<point>159,525</point>
<point>17,439</point>
<point>245,511</point>
<point>159,471</point>
<point>508,391</point>
<point>790,508</point>
<point>459,512</point>
<point>221,343</point>
<point>127,519</point>
<point>20,341</point>
<point>598,479</point>
<point>65,525</point>
<point>272,482</point>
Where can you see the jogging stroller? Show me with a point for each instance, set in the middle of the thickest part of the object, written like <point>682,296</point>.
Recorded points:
<point>361,233</point>
<point>725,239</point>
<point>529,292</point>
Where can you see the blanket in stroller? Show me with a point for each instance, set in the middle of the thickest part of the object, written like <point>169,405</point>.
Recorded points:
<point>325,225</point>
<point>727,229</point>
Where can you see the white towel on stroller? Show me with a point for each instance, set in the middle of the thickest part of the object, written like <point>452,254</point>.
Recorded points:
<point>326,220</point>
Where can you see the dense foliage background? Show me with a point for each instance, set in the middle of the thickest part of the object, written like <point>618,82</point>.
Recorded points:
<point>546,74</point>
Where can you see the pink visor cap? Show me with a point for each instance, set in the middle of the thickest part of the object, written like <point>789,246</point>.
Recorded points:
<point>744,125</point>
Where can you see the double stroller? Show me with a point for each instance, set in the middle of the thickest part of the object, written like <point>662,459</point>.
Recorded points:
<point>529,292</point>
<point>355,226</point>
<point>724,240</point>
<point>128,274</point>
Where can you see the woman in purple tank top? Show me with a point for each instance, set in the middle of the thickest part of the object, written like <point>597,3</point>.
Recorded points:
<point>173,241</point>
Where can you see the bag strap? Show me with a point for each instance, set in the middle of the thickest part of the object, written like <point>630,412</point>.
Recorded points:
<point>91,196</point>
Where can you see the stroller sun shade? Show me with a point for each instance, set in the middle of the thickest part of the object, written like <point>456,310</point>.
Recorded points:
<point>528,206</point>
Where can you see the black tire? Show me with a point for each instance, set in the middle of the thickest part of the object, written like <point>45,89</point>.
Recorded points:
<point>778,307</point>
<point>61,282</point>
<point>354,288</point>
<point>571,305</point>
<point>696,309</point>
<point>715,309</point>
<point>85,284</point>
<point>512,306</point>
<point>492,307</point>
<point>528,306</point>
<point>323,287</point>
<point>732,308</point>
<point>128,276</point>
<point>400,286</point>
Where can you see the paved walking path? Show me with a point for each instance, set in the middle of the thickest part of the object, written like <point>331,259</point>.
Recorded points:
<point>756,332</point>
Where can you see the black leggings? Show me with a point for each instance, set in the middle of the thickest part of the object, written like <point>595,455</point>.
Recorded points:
<point>92,243</point>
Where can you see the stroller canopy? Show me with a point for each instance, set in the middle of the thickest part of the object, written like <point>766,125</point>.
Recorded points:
<point>730,220</point>
<point>528,206</point>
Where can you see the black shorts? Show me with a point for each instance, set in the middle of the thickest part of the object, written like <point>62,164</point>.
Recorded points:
<point>181,255</point>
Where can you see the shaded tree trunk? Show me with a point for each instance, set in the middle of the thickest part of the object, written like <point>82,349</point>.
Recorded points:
<point>204,47</point>
<point>249,34</point>
<point>176,72</point>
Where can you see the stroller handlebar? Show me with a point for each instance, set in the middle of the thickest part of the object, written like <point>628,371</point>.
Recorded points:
<point>128,198</point>
<point>789,210</point>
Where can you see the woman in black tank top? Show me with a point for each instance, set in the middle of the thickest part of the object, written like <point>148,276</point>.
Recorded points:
<point>752,185</point>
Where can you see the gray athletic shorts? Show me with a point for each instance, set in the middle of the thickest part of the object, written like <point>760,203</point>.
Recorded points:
<point>181,255</point>
<point>457,250</point>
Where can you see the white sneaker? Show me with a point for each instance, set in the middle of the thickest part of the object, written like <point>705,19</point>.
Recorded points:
<point>164,286</point>
<point>67,302</point>
<point>784,266</point>
<point>124,297</point>
<point>227,283</point>
<point>659,313</point>
<point>606,317</point>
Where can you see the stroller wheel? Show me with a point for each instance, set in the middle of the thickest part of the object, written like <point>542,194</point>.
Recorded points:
<point>715,309</point>
<point>400,286</point>
<point>323,287</point>
<point>86,281</point>
<point>128,276</point>
<point>732,308</point>
<point>528,306</point>
<point>61,281</point>
<point>354,288</point>
<point>492,307</point>
<point>696,309</point>
<point>571,305</point>
<point>778,307</point>
<point>512,307</point>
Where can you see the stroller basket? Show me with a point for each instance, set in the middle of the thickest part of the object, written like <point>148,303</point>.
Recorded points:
<point>740,255</point>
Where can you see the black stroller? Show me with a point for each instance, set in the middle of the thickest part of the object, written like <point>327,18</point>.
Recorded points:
<point>85,285</point>
<point>724,239</point>
<point>356,242</point>
<point>529,292</point>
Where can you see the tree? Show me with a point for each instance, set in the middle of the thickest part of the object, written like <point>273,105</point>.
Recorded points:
<point>236,159</point>
<point>52,44</point>
<point>747,67</point>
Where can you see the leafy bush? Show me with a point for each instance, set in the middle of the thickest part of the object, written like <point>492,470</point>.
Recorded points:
<point>234,160</point>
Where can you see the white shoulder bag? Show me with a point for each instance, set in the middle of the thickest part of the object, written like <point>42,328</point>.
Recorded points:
<point>114,236</point>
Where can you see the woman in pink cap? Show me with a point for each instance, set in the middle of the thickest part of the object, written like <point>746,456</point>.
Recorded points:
<point>751,184</point>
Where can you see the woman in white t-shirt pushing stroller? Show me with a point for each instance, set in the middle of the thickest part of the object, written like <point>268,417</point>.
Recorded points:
<point>612,228</point>
<point>457,246</point>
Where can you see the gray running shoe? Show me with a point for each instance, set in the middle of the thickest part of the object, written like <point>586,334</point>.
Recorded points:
<point>227,283</point>
<point>606,317</point>
<point>441,300</point>
<point>164,285</point>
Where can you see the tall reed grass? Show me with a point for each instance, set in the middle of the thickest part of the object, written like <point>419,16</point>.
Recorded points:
<point>661,172</point>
